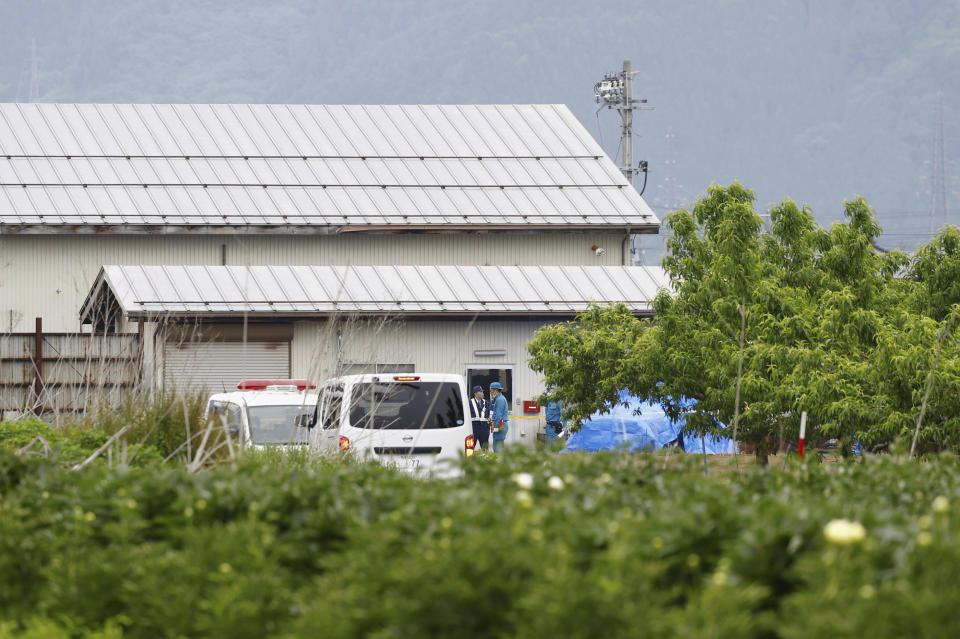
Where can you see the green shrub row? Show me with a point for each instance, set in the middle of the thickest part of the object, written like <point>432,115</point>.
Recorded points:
<point>527,545</point>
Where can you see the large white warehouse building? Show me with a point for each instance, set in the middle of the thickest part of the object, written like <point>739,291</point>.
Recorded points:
<point>509,188</point>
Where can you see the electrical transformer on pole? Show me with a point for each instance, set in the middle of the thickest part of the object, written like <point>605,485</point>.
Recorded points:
<point>615,91</point>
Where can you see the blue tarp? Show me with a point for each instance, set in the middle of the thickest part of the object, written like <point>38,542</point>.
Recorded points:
<point>650,430</point>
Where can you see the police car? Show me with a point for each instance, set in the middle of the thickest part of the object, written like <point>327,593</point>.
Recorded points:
<point>264,413</point>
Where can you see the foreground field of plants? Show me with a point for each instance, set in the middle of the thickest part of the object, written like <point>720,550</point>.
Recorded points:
<point>524,545</point>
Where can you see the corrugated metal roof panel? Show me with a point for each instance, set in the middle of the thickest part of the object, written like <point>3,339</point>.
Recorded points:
<point>151,291</point>
<point>505,159</point>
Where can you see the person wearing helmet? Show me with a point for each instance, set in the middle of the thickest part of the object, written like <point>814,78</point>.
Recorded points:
<point>480,417</point>
<point>553,415</point>
<point>501,416</point>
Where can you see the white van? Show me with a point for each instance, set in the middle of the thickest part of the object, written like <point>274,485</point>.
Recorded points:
<point>267,412</point>
<point>419,423</point>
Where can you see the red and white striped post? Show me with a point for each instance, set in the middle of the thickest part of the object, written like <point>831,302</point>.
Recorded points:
<point>803,432</point>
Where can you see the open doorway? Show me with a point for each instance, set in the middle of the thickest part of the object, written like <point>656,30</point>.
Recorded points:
<point>484,375</point>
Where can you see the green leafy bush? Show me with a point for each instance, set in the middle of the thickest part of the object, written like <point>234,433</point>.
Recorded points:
<point>523,545</point>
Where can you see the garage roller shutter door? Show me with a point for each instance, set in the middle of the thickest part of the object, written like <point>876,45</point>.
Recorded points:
<point>219,366</point>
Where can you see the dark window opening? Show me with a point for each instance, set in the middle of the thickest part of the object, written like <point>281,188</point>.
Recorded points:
<point>406,406</point>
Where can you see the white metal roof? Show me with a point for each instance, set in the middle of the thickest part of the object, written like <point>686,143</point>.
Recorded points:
<point>137,167</point>
<point>222,291</point>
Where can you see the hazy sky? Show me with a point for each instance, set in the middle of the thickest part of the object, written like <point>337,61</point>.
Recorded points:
<point>810,99</point>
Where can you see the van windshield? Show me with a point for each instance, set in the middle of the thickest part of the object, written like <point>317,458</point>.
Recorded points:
<point>406,405</point>
<point>277,424</point>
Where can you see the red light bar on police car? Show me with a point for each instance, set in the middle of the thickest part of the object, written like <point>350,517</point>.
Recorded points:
<point>406,378</point>
<point>262,384</point>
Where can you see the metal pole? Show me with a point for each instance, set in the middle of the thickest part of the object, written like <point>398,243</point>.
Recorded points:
<point>38,367</point>
<point>803,432</point>
<point>626,135</point>
<point>140,349</point>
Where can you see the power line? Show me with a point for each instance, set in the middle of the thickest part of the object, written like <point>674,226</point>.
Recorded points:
<point>34,91</point>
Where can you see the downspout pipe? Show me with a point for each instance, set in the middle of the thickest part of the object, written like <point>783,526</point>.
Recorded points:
<point>624,251</point>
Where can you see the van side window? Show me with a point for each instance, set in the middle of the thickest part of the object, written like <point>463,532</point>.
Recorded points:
<point>330,413</point>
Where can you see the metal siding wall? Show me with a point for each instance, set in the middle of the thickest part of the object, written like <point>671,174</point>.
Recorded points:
<point>433,346</point>
<point>49,276</point>
<point>483,249</point>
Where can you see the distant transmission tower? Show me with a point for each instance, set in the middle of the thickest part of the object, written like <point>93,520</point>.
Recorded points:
<point>670,193</point>
<point>615,91</point>
<point>938,181</point>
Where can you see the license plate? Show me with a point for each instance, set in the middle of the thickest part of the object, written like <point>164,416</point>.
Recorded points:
<point>406,463</point>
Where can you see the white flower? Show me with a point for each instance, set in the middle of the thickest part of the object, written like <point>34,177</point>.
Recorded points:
<point>940,504</point>
<point>523,480</point>
<point>555,483</point>
<point>843,532</point>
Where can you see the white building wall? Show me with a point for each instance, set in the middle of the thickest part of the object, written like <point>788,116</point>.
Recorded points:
<point>49,276</point>
<point>432,346</point>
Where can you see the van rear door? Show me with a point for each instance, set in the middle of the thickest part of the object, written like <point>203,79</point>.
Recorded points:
<point>408,420</point>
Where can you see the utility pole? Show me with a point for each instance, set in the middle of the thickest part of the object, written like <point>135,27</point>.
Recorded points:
<point>615,91</point>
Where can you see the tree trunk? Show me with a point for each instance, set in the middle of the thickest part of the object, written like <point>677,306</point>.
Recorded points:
<point>933,370</point>
<point>762,458</point>
<point>736,405</point>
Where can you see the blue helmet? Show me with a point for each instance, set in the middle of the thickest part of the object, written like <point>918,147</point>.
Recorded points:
<point>496,386</point>
<point>477,389</point>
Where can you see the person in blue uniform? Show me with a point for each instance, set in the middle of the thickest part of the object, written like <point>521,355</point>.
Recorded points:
<point>500,414</point>
<point>480,418</point>
<point>553,415</point>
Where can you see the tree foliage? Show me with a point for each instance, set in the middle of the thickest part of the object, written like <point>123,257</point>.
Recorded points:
<point>762,324</point>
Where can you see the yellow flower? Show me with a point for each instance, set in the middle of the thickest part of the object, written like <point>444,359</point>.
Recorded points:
<point>226,568</point>
<point>924,539</point>
<point>940,504</point>
<point>843,532</point>
<point>89,516</point>
<point>867,591</point>
<point>446,522</point>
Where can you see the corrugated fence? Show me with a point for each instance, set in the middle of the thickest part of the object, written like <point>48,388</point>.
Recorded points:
<point>66,371</point>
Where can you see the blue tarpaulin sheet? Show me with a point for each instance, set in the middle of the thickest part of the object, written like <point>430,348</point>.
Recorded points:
<point>652,429</point>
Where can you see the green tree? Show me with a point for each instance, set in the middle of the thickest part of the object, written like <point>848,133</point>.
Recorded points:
<point>761,326</point>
